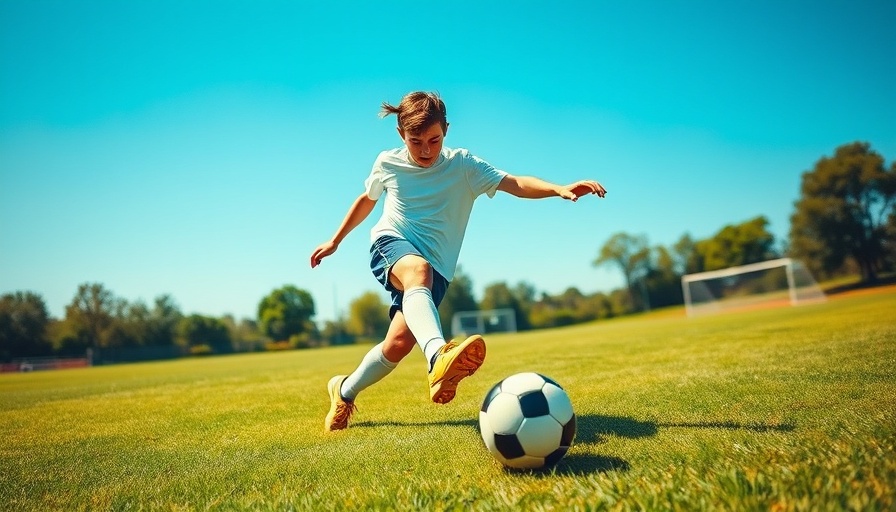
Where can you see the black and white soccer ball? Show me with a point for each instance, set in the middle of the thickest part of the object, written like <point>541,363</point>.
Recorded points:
<point>527,421</point>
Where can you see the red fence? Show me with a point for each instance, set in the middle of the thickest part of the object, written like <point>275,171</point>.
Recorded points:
<point>44,363</point>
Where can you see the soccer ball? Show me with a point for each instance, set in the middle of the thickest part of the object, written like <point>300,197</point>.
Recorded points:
<point>527,421</point>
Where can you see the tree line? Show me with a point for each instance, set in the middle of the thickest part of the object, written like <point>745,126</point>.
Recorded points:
<point>844,222</point>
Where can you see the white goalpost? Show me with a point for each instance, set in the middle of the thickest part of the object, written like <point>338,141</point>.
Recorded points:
<point>783,281</point>
<point>465,323</point>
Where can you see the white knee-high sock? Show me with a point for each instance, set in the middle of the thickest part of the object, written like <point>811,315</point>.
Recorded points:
<point>422,317</point>
<point>374,366</point>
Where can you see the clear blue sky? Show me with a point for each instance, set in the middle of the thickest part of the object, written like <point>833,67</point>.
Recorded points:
<point>203,149</point>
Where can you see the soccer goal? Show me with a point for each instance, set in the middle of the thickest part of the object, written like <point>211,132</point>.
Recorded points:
<point>465,323</point>
<point>779,282</point>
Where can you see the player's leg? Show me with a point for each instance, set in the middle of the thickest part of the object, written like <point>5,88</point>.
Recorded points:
<point>449,363</point>
<point>344,389</point>
<point>376,364</point>
<point>413,276</point>
<point>399,341</point>
<point>380,360</point>
<point>341,410</point>
<point>454,362</point>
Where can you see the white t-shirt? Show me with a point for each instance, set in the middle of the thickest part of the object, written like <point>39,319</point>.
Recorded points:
<point>430,206</point>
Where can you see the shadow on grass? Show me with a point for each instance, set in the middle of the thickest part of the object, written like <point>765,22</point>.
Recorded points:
<point>452,423</point>
<point>593,428</point>
<point>731,425</point>
<point>882,281</point>
<point>576,465</point>
<point>586,464</point>
<point>596,428</point>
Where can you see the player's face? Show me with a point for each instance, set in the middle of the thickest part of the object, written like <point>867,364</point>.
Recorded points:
<point>425,146</point>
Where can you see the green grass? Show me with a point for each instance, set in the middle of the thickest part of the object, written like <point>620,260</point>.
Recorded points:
<point>782,409</point>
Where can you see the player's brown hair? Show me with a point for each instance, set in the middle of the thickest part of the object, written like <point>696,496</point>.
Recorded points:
<point>417,111</point>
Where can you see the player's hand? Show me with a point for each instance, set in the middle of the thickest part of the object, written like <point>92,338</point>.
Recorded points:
<point>323,250</point>
<point>580,188</point>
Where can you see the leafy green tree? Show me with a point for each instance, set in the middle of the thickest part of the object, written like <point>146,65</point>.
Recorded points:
<point>737,244</point>
<point>843,212</point>
<point>368,316</point>
<point>23,326</point>
<point>685,259</point>
<point>90,316</point>
<point>525,295</point>
<point>130,324</point>
<point>890,239</point>
<point>243,334</point>
<point>579,304</point>
<point>286,312</point>
<point>459,297</point>
<point>621,302</point>
<point>163,322</point>
<point>572,307</point>
<point>662,281</point>
<point>336,332</point>
<point>500,296</point>
<point>567,308</point>
<point>599,306</point>
<point>632,255</point>
<point>203,333</point>
<point>545,316</point>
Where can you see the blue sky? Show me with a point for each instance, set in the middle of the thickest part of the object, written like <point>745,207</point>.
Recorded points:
<point>203,149</point>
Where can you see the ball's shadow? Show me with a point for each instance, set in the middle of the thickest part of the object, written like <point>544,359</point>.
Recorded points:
<point>595,429</point>
<point>577,465</point>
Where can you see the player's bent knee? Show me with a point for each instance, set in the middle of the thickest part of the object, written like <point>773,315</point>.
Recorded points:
<point>398,347</point>
<point>405,344</point>
<point>411,271</point>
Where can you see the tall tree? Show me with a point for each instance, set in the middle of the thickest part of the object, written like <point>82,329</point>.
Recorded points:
<point>570,307</point>
<point>23,326</point>
<point>526,296</point>
<point>459,297</point>
<point>632,255</point>
<point>243,333</point>
<point>130,324</point>
<point>663,281</point>
<point>90,314</point>
<point>890,238</point>
<point>843,211</point>
<point>335,332</point>
<point>499,296</point>
<point>285,312</point>
<point>197,331</point>
<point>685,259</point>
<point>368,316</point>
<point>737,244</point>
<point>163,321</point>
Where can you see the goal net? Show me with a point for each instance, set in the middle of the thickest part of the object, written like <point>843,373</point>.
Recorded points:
<point>465,323</point>
<point>779,282</point>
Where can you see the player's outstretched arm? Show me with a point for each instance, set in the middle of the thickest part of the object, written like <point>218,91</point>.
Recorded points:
<point>530,187</point>
<point>358,211</point>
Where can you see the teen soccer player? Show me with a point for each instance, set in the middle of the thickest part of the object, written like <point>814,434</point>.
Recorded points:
<point>429,192</point>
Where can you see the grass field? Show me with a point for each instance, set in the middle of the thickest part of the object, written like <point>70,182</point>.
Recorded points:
<point>778,409</point>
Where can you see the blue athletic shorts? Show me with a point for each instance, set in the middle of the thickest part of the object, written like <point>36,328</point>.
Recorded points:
<point>384,252</point>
